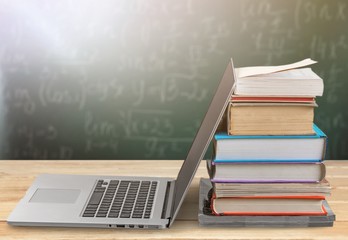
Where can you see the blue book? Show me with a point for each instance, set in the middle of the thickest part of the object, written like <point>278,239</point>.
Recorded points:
<point>283,148</point>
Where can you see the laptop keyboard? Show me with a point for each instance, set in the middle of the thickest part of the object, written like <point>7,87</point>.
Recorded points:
<point>121,199</point>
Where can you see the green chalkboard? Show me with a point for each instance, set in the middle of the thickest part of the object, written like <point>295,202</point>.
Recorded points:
<point>133,79</point>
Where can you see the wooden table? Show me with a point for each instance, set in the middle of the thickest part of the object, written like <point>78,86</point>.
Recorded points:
<point>16,177</point>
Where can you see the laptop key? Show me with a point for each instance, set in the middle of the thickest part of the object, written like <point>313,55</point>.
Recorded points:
<point>96,198</point>
<point>101,215</point>
<point>125,215</point>
<point>99,190</point>
<point>93,207</point>
<point>88,215</point>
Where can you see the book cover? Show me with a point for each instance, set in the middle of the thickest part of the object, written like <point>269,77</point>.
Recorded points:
<point>268,206</point>
<point>261,148</point>
<point>270,118</point>
<point>223,189</point>
<point>266,172</point>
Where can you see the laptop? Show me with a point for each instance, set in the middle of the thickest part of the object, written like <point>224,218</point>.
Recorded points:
<point>60,200</point>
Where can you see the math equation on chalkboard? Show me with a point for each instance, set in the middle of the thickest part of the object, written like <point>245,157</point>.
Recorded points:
<point>133,79</point>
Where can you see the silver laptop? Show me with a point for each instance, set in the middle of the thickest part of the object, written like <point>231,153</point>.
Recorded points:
<point>120,202</point>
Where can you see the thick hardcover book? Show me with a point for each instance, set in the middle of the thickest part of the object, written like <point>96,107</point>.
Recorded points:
<point>286,80</point>
<point>268,205</point>
<point>321,188</point>
<point>266,172</point>
<point>278,148</point>
<point>207,219</point>
<point>270,118</point>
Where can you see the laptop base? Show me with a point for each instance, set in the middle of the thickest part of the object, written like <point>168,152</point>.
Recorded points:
<point>61,200</point>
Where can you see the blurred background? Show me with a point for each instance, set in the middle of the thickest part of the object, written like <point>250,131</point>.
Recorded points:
<point>133,79</point>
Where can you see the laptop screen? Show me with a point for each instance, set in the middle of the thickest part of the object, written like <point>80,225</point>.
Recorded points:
<point>203,137</point>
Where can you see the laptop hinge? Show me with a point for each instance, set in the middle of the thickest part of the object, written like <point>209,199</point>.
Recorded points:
<point>169,200</point>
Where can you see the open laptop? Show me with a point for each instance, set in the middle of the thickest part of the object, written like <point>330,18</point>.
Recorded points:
<point>120,202</point>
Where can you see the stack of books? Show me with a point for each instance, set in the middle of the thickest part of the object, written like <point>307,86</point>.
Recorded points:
<point>269,160</point>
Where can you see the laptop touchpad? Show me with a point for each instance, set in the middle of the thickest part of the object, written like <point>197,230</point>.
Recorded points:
<point>50,195</point>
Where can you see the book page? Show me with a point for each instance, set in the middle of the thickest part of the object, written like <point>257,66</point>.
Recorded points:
<point>297,73</point>
<point>258,70</point>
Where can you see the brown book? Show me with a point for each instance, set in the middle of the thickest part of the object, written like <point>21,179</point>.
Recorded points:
<point>270,118</point>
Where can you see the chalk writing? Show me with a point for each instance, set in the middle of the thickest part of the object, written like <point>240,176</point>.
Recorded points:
<point>21,99</point>
<point>148,123</point>
<point>101,80</point>
<point>159,148</point>
<point>101,128</point>
<point>309,11</point>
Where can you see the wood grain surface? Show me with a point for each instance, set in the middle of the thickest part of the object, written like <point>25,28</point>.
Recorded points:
<point>16,176</point>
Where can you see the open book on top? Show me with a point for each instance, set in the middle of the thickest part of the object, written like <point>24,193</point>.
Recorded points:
<point>284,80</point>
